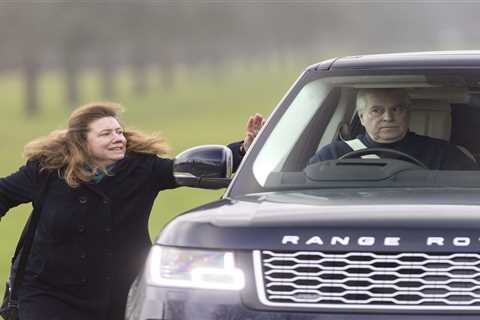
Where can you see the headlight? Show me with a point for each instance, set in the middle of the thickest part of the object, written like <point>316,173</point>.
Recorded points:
<point>173,267</point>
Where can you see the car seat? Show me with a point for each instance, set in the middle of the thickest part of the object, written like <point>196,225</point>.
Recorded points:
<point>433,118</point>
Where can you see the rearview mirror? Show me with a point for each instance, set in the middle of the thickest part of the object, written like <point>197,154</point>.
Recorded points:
<point>208,167</point>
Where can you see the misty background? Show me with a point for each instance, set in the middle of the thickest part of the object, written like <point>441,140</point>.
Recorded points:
<point>69,37</point>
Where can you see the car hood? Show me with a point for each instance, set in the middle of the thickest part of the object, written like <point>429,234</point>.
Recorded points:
<point>267,220</point>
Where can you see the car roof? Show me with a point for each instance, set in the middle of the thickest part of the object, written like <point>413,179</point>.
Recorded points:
<point>407,60</point>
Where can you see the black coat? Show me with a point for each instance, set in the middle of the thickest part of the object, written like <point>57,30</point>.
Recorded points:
<point>91,241</point>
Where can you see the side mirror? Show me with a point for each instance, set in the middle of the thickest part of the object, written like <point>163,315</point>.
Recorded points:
<point>208,167</point>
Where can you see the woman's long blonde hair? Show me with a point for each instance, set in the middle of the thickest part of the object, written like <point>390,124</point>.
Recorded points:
<point>66,151</point>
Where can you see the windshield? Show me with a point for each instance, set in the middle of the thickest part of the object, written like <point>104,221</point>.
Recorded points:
<point>378,129</point>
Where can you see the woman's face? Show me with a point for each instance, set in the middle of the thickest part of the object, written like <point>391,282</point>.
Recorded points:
<point>105,141</point>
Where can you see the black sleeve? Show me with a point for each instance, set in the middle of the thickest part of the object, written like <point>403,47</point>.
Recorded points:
<point>19,187</point>
<point>324,154</point>
<point>237,153</point>
<point>163,173</point>
<point>330,152</point>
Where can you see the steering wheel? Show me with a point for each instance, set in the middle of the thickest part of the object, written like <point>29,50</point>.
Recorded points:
<point>389,153</point>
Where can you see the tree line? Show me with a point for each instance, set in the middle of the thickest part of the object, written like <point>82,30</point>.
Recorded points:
<point>70,36</point>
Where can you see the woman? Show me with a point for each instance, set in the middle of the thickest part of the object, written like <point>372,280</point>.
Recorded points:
<point>92,237</point>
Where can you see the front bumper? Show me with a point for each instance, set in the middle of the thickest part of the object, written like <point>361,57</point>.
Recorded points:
<point>160,303</point>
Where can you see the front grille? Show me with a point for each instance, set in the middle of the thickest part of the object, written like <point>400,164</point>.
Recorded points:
<point>368,279</point>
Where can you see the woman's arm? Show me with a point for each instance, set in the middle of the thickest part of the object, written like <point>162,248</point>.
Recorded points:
<point>18,187</point>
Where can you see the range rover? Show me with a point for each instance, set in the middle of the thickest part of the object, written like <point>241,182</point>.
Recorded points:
<point>352,238</point>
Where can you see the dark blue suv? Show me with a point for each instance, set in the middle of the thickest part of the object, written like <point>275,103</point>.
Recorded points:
<point>376,233</point>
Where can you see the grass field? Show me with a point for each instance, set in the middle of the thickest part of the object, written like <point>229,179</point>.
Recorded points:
<point>203,107</point>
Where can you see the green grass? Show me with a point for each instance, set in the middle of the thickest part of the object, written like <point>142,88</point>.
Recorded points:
<point>203,107</point>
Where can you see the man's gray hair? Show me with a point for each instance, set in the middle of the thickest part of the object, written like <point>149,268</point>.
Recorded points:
<point>363,93</point>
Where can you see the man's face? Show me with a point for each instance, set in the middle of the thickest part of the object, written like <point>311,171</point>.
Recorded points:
<point>386,117</point>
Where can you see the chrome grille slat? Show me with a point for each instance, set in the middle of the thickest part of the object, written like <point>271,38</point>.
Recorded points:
<point>376,286</point>
<point>362,275</point>
<point>369,301</point>
<point>369,279</point>
<point>373,295</point>
<point>457,267</point>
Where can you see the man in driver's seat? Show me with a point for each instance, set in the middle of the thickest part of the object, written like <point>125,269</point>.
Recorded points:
<point>384,113</point>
